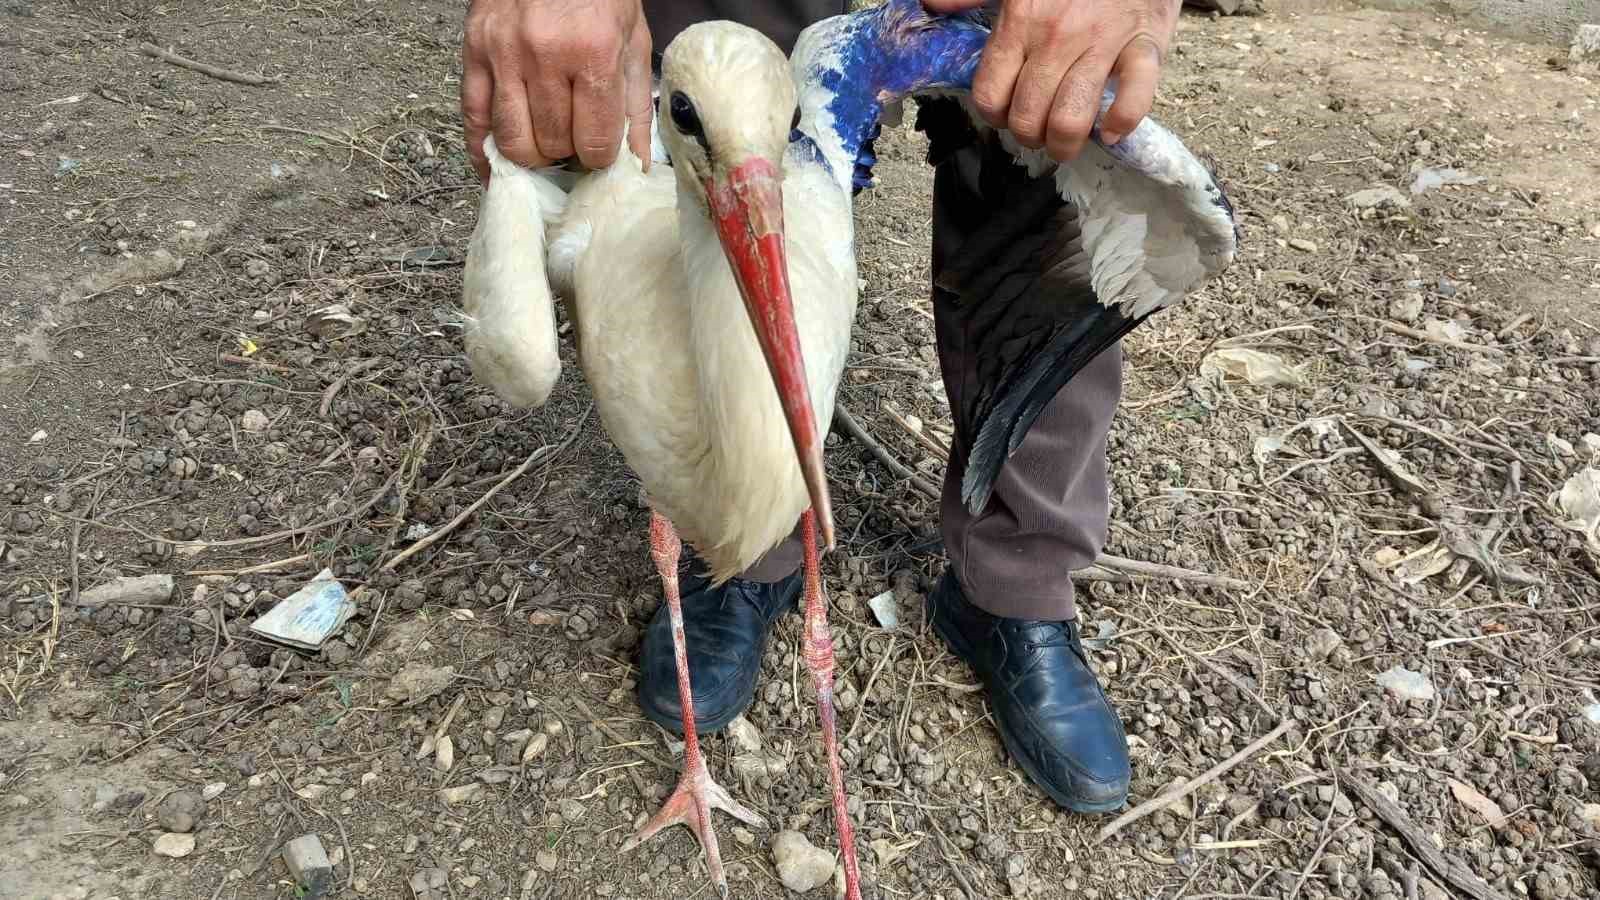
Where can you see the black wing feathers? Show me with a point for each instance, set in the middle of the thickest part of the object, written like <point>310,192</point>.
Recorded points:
<point>1010,266</point>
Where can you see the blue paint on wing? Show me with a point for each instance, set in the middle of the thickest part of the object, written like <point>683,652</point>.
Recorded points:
<point>885,54</point>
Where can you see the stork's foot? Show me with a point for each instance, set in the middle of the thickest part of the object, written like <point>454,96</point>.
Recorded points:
<point>691,805</point>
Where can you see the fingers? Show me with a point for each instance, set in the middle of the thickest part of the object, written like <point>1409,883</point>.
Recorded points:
<point>1138,69</point>
<point>597,119</point>
<point>477,95</point>
<point>1077,102</point>
<point>998,71</point>
<point>636,73</point>
<point>513,125</point>
<point>1037,86</point>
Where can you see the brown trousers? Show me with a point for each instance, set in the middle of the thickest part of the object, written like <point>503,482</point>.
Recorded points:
<point>1051,505</point>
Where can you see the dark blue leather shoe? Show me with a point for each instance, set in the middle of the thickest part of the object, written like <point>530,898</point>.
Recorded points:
<point>725,631</point>
<point>1053,716</point>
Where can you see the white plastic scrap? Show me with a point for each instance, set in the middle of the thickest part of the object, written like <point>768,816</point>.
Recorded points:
<point>1579,502</point>
<point>1405,684</point>
<point>1264,369</point>
<point>885,610</point>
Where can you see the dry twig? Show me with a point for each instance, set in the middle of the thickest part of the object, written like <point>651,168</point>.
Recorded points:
<point>1193,784</point>
<point>539,455</point>
<point>149,49</point>
<point>1458,876</point>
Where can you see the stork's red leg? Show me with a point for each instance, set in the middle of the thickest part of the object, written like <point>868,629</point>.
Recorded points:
<point>818,652</point>
<point>691,804</point>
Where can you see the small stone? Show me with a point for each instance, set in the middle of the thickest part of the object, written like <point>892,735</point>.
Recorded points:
<point>309,864</point>
<point>1303,245</point>
<point>801,865</point>
<point>464,793</point>
<point>1322,643</point>
<point>175,846</point>
<point>1378,197</point>
<point>572,812</point>
<point>547,860</point>
<point>179,811</point>
<point>444,754</point>
<point>536,746</point>
<point>744,836</point>
<point>254,421</point>
<point>1585,44</point>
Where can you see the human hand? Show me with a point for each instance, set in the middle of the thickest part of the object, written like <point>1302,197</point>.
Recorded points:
<point>551,79</point>
<point>1047,63</point>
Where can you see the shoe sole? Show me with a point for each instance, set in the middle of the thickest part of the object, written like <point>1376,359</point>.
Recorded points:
<point>964,650</point>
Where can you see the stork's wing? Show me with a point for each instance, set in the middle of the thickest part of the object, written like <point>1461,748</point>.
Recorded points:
<point>509,321</point>
<point>1046,266</point>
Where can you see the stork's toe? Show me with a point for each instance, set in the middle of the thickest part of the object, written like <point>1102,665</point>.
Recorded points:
<point>725,631</point>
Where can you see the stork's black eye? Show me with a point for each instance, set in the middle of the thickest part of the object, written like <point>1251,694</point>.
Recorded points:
<point>684,116</point>
<point>795,122</point>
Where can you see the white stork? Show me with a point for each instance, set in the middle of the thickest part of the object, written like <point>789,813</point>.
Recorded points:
<point>713,296</point>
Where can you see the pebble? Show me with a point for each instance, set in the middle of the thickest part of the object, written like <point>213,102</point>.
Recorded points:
<point>175,846</point>
<point>453,796</point>
<point>801,865</point>
<point>254,421</point>
<point>547,860</point>
<point>1322,643</point>
<point>179,811</point>
<point>1303,245</point>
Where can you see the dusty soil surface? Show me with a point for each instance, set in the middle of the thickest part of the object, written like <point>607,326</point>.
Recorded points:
<point>173,402</point>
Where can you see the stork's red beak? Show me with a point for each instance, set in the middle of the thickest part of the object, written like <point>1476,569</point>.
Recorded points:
<point>747,209</point>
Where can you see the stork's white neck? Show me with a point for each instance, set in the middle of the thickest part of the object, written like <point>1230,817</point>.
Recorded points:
<point>738,405</point>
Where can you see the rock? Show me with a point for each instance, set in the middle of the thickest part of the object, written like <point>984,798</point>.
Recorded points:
<point>430,884</point>
<point>535,747</point>
<point>254,421</point>
<point>309,864</point>
<point>175,846</point>
<point>417,682</point>
<point>1404,684</point>
<point>154,590</point>
<point>444,754</point>
<point>179,811</point>
<point>1303,245</point>
<point>1585,44</point>
<point>572,812</point>
<point>454,796</point>
<point>213,790</point>
<point>547,860</point>
<point>110,796</point>
<point>1322,643</point>
<point>1378,197</point>
<point>801,866</point>
<point>1407,307</point>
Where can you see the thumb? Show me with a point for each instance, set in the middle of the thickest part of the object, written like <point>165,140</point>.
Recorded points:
<point>636,78</point>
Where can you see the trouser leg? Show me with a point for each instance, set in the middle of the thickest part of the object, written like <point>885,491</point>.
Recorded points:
<point>1049,512</point>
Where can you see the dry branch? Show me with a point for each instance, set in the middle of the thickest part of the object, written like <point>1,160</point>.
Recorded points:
<point>843,419</point>
<point>149,49</point>
<point>1458,876</point>
<point>545,452</point>
<point>1205,778</point>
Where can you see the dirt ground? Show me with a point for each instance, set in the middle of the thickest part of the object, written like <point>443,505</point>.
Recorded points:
<point>177,401</point>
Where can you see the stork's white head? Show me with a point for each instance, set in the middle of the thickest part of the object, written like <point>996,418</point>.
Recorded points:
<point>727,109</point>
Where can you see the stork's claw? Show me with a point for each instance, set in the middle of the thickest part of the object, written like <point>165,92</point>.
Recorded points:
<point>691,805</point>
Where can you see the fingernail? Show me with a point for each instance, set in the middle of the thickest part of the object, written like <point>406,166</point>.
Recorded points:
<point>1110,137</point>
